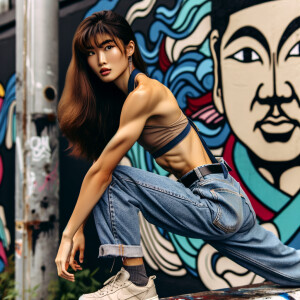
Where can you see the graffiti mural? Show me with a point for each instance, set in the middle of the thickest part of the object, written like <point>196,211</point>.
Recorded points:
<point>233,67</point>
<point>7,138</point>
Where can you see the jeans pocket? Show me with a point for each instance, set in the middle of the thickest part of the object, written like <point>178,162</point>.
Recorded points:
<point>248,203</point>
<point>252,212</point>
<point>229,213</point>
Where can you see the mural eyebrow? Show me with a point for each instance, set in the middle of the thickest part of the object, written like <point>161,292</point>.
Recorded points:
<point>250,32</point>
<point>291,28</point>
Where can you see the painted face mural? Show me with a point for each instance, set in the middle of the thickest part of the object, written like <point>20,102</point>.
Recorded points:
<point>259,60</point>
<point>238,79</point>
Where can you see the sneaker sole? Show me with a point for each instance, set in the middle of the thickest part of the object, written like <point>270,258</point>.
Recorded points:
<point>153,298</point>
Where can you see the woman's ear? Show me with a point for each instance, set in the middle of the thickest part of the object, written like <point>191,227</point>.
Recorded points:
<point>217,91</point>
<point>130,47</point>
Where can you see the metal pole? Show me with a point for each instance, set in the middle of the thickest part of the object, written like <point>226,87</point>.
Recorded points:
<point>37,149</point>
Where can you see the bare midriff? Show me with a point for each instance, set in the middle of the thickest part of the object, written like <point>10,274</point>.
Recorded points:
<point>187,154</point>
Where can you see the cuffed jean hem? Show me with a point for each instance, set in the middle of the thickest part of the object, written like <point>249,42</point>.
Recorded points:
<point>113,250</point>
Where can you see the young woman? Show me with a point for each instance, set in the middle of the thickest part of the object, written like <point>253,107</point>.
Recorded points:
<point>108,104</point>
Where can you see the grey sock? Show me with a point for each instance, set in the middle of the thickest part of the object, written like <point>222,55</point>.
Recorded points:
<point>138,274</point>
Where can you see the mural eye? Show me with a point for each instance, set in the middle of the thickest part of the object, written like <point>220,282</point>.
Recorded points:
<point>246,55</point>
<point>295,51</point>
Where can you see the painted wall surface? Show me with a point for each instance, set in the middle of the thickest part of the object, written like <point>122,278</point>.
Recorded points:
<point>7,147</point>
<point>238,78</point>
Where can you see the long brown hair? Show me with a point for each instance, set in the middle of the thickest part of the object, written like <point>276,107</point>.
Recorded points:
<point>89,110</point>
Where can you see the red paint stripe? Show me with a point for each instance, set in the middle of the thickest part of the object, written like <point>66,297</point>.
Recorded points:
<point>1,102</point>
<point>2,254</point>
<point>164,62</point>
<point>194,104</point>
<point>261,211</point>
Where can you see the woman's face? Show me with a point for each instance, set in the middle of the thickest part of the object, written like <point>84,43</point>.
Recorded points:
<point>107,61</point>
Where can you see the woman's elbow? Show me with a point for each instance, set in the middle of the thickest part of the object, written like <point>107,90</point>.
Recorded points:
<point>102,176</point>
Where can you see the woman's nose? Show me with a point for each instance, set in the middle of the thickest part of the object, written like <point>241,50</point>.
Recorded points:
<point>101,58</point>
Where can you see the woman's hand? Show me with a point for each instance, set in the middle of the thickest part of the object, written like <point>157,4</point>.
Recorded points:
<point>63,257</point>
<point>78,245</point>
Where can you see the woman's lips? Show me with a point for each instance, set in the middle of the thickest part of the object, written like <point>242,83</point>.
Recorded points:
<point>105,72</point>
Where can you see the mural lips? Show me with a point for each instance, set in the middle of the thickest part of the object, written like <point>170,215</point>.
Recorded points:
<point>276,126</point>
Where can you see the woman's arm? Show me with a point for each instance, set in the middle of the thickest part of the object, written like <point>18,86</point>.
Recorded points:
<point>93,186</point>
<point>135,112</point>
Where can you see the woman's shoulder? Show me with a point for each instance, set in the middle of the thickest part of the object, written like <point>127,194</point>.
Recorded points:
<point>149,87</point>
<point>146,96</point>
<point>152,97</point>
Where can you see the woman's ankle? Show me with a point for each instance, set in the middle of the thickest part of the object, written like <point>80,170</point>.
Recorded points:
<point>137,271</point>
<point>132,261</point>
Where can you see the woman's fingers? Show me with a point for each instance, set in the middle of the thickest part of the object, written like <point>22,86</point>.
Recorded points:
<point>81,255</point>
<point>75,266</point>
<point>58,268</point>
<point>67,265</point>
<point>63,258</point>
<point>73,263</point>
<point>68,275</point>
<point>72,279</point>
<point>63,273</point>
<point>72,256</point>
<point>78,245</point>
<point>78,268</point>
<point>67,278</point>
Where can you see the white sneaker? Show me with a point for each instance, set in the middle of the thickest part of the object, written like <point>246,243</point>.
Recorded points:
<point>119,287</point>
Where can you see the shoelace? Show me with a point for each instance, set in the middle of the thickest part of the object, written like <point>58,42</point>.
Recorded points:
<point>109,284</point>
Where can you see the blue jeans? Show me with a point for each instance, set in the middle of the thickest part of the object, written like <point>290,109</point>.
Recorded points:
<point>214,208</point>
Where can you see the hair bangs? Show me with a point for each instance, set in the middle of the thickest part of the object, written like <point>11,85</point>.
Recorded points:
<point>83,40</point>
<point>100,29</point>
<point>89,38</point>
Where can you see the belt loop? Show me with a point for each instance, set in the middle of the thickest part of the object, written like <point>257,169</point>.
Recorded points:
<point>225,171</point>
<point>198,172</point>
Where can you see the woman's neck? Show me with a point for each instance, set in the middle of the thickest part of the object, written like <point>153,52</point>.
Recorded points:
<point>122,81</point>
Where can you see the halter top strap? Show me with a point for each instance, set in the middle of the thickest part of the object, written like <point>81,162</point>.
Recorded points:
<point>131,80</point>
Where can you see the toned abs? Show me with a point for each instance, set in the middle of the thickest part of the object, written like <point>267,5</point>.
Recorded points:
<point>189,153</point>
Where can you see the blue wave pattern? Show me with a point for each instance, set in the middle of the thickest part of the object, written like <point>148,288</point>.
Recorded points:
<point>10,95</point>
<point>186,15</point>
<point>102,5</point>
<point>192,74</point>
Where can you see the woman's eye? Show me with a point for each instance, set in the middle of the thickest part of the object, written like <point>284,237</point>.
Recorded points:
<point>295,51</point>
<point>246,55</point>
<point>90,53</point>
<point>108,47</point>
